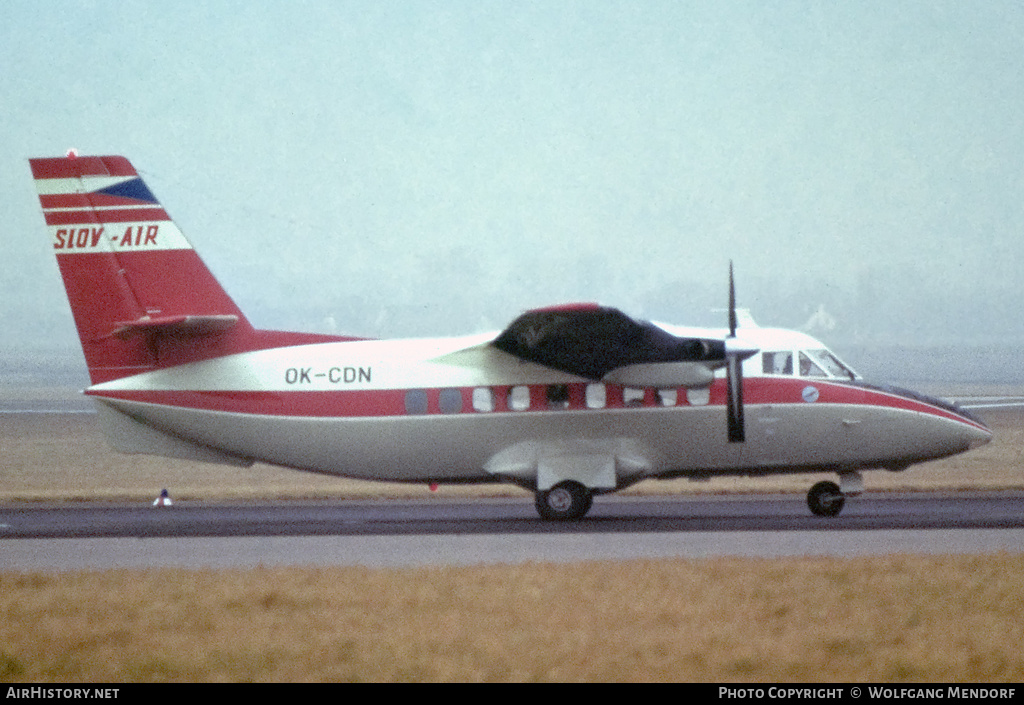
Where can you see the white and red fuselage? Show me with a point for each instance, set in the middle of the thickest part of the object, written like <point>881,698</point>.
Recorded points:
<point>178,370</point>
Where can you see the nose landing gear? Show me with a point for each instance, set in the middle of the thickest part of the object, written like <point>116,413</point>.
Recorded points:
<point>825,499</point>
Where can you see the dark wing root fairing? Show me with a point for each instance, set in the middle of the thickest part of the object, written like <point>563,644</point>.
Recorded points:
<point>594,340</point>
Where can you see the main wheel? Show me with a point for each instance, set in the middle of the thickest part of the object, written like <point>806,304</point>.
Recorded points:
<point>564,502</point>
<point>826,499</point>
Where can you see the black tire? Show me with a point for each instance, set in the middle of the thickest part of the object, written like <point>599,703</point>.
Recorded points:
<point>826,499</point>
<point>566,501</point>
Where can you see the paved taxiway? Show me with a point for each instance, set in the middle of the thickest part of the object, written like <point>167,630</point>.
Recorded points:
<point>462,532</point>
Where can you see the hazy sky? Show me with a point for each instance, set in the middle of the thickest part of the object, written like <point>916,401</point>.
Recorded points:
<point>417,168</point>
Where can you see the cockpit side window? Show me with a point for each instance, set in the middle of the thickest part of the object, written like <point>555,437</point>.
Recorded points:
<point>777,363</point>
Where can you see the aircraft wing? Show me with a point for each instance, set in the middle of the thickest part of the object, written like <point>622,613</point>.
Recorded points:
<point>983,403</point>
<point>602,343</point>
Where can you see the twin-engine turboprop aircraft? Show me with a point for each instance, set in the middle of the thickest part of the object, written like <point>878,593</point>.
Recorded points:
<point>568,402</point>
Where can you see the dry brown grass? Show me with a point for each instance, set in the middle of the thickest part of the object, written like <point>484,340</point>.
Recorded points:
<point>64,457</point>
<point>900,618</point>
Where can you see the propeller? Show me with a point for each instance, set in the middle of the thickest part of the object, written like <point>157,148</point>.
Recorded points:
<point>735,353</point>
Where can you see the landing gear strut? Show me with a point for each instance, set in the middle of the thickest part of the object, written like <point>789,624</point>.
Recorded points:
<point>826,499</point>
<point>564,502</point>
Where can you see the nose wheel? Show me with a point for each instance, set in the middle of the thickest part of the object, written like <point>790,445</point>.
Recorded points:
<point>826,499</point>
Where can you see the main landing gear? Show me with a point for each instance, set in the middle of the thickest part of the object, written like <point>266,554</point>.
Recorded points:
<point>565,501</point>
<point>826,499</point>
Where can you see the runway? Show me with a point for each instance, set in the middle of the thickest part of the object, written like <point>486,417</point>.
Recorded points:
<point>400,533</point>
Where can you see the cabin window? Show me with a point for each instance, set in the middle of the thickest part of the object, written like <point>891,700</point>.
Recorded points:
<point>777,363</point>
<point>449,401</point>
<point>483,399</point>
<point>631,396</point>
<point>519,398</point>
<point>557,396</point>
<point>596,396</point>
<point>698,396</point>
<point>416,401</point>
<point>668,397</point>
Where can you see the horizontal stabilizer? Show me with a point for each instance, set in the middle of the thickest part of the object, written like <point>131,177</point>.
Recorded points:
<point>175,325</point>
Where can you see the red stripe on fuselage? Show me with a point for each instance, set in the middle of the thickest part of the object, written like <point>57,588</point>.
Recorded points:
<point>373,403</point>
<point>391,402</point>
<point>791,390</point>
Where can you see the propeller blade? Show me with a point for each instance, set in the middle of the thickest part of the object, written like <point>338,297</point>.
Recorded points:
<point>732,303</point>
<point>735,422</point>
<point>734,374</point>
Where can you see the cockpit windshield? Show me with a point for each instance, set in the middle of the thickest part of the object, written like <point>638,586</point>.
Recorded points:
<point>830,363</point>
<point>810,363</point>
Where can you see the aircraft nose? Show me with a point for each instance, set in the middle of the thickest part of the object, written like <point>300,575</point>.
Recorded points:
<point>976,433</point>
<point>979,435</point>
<point>948,428</point>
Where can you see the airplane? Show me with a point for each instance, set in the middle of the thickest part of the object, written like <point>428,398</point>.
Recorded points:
<point>568,402</point>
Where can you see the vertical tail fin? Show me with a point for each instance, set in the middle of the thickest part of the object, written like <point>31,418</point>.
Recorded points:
<point>141,297</point>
